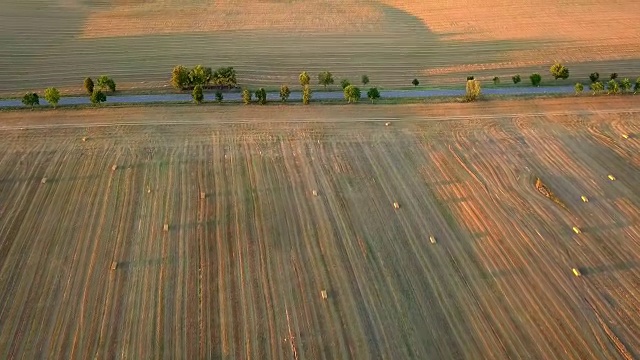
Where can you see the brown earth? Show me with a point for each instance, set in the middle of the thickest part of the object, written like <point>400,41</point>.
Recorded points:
<point>239,274</point>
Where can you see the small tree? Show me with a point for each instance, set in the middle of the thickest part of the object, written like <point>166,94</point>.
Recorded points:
<point>625,85</point>
<point>219,96</point>
<point>536,79</point>
<point>246,96</point>
<point>365,80</point>
<point>325,78</point>
<point>344,83</point>
<point>415,82</point>
<point>180,77</point>
<point>613,87</point>
<point>596,87</point>
<point>473,90</point>
<point>31,99</point>
<point>284,93</point>
<point>613,76</point>
<point>496,80</point>
<point>225,77</point>
<point>516,79</point>
<point>200,75</point>
<point>352,94</point>
<point>594,77</point>
<point>471,77</point>
<point>98,97</point>
<point>52,95</point>
<point>197,94</point>
<point>102,82</point>
<point>261,96</point>
<point>559,71</point>
<point>373,94</point>
<point>304,78</point>
<point>579,88</point>
<point>306,95</point>
<point>636,87</point>
<point>88,85</point>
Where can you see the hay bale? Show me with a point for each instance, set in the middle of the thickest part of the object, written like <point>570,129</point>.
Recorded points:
<point>114,167</point>
<point>315,193</point>
<point>432,239</point>
<point>114,265</point>
<point>584,199</point>
<point>396,205</point>
<point>165,227</point>
<point>576,272</point>
<point>203,195</point>
<point>44,180</point>
<point>324,295</point>
<point>576,230</point>
<point>611,177</point>
<point>84,139</point>
<point>387,124</point>
<point>625,136</point>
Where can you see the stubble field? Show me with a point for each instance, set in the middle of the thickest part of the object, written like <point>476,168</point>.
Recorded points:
<point>239,274</point>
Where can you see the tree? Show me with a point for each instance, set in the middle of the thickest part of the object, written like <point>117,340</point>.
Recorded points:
<point>200,75</point>
<point>471,77</point>
<point>304,78</point>
<point>306,95</point>
<point>636,87</point>
<point>365,79</point>
<point>261,96</point>
<point>284,93</point>
<point>246,96</point>
<point>352,94</point>
<point>536,79</point>
<point>98,97</point>
<point>325,78</point>
<point>496,80</point>
<point>613,76</point>
<point>625,85</point>
<point>344,83</point>
<point>219,96</point>
<point>473,90</point>
<point>594,77</point>
<point>197,94</point>
<point>225,77</point>
<point>52,95</point>
<point>559,71</point>
<point>88,85</point>
<point>373,94</point>
<point>613,87</point>
<point>596,87</point>
<point>31,99</point>
<point>516,79</point>
<point>415,82</point>
<point>180,77</point>
<point>579,88</point>
<point>102,81</point>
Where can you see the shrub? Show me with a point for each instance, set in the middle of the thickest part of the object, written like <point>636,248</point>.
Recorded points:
<point>284,93</point>
<point>197,94</point>
<point>344,83</point>
<point>180,77</point>
<point>596,87</point>
<point>516,79</point>
<point>415,82</point>
<point>594,77</point>
<point>496,80</point>
<point>52,95</point>
<point>246,96</point>
<point>471,77</point>
<point>304,78</point>
<point>219,96</point>
<point>536,79</point>
<point>613,87</point>
<point>579,88</point>
<point>613,76</point>
<point>98,97</point>
<point>261,96</point>
<point>352,94</point>
<point>88,85</point>
<point>625,85</point>
<point>31,99</point>
<point>325,78</point>
<point>473,90</point>
<point>373,94</point>
<point>364,79</point>
<point>559,71</point>
<point>306,95</point>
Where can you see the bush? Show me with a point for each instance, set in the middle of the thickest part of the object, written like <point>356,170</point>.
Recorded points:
<point>306,95</point>
<point>596,87</point>
<point>364,79</point>
<point>594,77</point>
<point>536,79</point>
<point>98,97</point>
<point>415,82</point>
<point>613,87</point>
<point>473,90</point>
<point>284,93</point>
<point>559,71</point>
<point>180,77</point>
<point>471,77</point>
<point>304,78</point>
<point>613,76</point>
<point>344,83</point>
<point>52,95</point>
<point>325,78</point>
<point>197,94</point>
<point>219,96</point>
<point>88,85</point>
<point>261,96</point>
<point>579,88</point>
<point>625,85</point>
<point>373,94</point>
<point>31,99</point>
<point>352,94</point>
<point>516,79</point>
<point>246,96</point>
<point>496,80</point>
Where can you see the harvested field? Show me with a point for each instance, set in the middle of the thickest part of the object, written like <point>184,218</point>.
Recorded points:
<point>260,268</point>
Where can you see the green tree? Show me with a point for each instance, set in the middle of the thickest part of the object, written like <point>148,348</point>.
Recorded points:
<point>304,78</point>
<point>625,85</point>
<point>88,85</point>
<point>180,77</point>
<point>596,87</point>
<point>516,79</point>
<point>636,87</point>
<point>246,96</point>
<point>559,71</point>
<point>415,82</point>
<point>219,96</point>
<point>261,96</point>
<point>102,82</point>
<point>344,83</point>
<point>536,79</point>
<point>98,97</point>
<point>613,76</point>
<point>613,87</point>
<point>365,80</point>
<point>31,99</point>
<point>52,95</point>
<point>473,90</point>
<point>594,76</point>
<point>197,94</point>
<point>579,88</point>
<point>325,78</point>
<point>496,80</point>
<point>352,94</point>
<point>284,93</point>
<point>306,95</point>
<point>471,77</point>
<point>200,75</point>
<point>225,77</point>
<point>373,94</point>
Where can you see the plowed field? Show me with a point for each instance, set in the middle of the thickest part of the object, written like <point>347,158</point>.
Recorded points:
<point>239,273</point>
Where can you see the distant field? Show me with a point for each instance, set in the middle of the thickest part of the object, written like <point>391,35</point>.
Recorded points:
<point>58,43</point>
<point>239,274</point>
